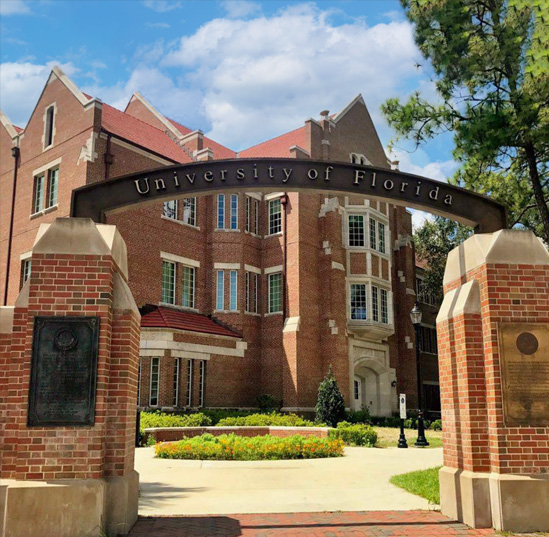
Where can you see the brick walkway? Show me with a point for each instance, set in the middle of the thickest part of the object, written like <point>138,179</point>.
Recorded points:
<point>352,524</point>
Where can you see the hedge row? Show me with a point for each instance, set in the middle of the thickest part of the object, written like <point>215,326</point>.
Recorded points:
<point>239,448</point>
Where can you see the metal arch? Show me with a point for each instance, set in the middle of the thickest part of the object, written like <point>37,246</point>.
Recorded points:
<point>97,200</point>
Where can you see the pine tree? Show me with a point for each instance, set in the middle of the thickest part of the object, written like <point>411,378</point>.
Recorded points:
<point>330,407</point>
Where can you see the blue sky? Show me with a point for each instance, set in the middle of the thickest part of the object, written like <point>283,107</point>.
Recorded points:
<point>240,71</point>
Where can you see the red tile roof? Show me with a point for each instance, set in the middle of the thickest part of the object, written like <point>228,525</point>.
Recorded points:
<point>277,147</point>
<point>220,151</point>
<point>162,317</point>
<point>18,129</point>
<point>141,133</point>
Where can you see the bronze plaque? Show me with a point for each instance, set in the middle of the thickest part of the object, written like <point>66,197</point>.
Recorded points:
<point>524,350</point>
<point>63,371</point>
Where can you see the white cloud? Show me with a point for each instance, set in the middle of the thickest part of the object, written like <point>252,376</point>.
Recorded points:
<point>21,84</point>
<point>158,25</point>
<point>162,6</point>
<point>237,9</point>
<point>14,7</point>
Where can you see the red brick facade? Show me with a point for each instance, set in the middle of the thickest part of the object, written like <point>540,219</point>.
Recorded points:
<point>284,354</point>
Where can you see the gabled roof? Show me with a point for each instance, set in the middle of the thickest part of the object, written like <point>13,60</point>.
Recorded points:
<point>162,317</point>
<point>12,129</point>
<point>142,134</point>
<point>277,147</point>
<point>220,151</point>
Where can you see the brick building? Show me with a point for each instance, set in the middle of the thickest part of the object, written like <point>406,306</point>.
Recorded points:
<point>241,294</point>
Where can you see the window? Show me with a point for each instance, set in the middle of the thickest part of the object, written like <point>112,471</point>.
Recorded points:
<point>189,382</point>
<point>256,217</point>
<point>356,230</point>
<point>275,292</point>
<point>384,307</point>
<point>189,211</point>
<point>375,303</point>
<point>381,236</point>
<point>248,213</point>
<point>168,282</point>
<point>373,241</point>
<point>431,396</point>
<point>234,211</point>
<point>252,284</point>
<point>25,271</point>
<point>358,301</point>
<point>38,198</point>
<point>275,217</point>
<point>155,381</point>
<point>423,295</point>
<point>49,127</point>
<point>220,291</point>
<point>202,379</point>
<point>170,209</point>
<point>188,291</point>
<point>52,187</point>
<point>233,290</point>
<point>428,340</point>
<point>357,390</point>
<point>221,211</point>
<point>176,373</point>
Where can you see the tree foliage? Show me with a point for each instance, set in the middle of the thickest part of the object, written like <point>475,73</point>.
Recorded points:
<point>433,241</point>
<point>490,60</point>
<point>330,406</point>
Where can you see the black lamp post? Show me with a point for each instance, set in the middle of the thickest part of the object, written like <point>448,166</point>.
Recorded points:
<point>415,316</point>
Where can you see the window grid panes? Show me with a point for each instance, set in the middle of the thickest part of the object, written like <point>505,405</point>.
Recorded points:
<point>375,303</point>
<point>48,138</point>
<point>189,382</point>
<point>428,340</point>
<point>27,265</point>
<point>188,291</point>
<point>176,374</point>
<point>275,292</point>
<point>234,211</point>
<point>356,230</point>
<point>256,217</point>
<point>168,282</point>
<point>220,291</point>
<point>384,307</point>
<point>233,290</point>
<point>275,217</point>
<point>248,213</point>
<point>52,187</point>
<point>381,236</point>
<point>358,301</point>
<point>202,380</point>
<point>189,211</point>
<point>170,209</point>
<point>373,241</point>
<point>221,211</point>
<point>251,292</point>
<point>155,381</point>
<point>38,202</point>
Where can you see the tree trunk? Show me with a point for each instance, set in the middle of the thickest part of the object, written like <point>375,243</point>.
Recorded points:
<point>542,205</point>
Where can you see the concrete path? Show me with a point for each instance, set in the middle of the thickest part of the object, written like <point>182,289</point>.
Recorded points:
<point>355,524</point>
<point>357,482</point>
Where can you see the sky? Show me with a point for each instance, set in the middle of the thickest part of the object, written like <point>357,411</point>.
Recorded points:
<point>241,71</point>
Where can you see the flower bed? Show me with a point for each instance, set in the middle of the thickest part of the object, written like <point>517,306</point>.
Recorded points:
<point>239,448</point>
<point>168,434</point>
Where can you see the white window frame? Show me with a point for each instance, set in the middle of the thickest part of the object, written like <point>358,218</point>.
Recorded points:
<point>256,217</point>
<point>176,381</point>
<point>190,364</point>
<point>248,223</point>
<point>26,268</point>
<point>364,239</point>
<point>153,361</point>
<point>233,212</point>
<point>220,290</point>
<point>366,305</point>
<point>233,290</point>
<point>166,209</point>
<point>39,193</point>
<point>270,278</point>
<point>220,211</point>
<point>192,219</point>
<point>384,319</point>
<point>271,229</point>
<point>192,270</point>
<point>49,125</point>
<point>172,302</point>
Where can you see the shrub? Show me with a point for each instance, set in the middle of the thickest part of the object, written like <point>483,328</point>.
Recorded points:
<point>359,416</point>
<point>436,425</point>
<point>217,414</point>
<point>241,448</point>
<point>392,421</point>
<point>274,418</point>
<point>330,407</point>
<point>268,403</point>
<point>162,419</point>
<point>411,423</point>
<point>354,434</point>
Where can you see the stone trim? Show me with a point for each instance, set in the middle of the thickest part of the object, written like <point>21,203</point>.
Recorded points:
<point>180,259</point>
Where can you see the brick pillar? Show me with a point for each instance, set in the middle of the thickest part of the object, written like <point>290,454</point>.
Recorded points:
<point>496,443</point>
<point>73,480</point>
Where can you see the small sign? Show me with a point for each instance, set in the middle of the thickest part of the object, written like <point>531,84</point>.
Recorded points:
<point>402,400</point>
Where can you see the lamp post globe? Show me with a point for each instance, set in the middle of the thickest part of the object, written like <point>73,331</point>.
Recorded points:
<point>415,316</point>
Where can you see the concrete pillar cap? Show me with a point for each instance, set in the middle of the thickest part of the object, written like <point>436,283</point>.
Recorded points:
<point>6,319</point>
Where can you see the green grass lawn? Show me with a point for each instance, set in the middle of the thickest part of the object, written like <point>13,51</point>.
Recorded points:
<point>388,437</point>
<point>423,483</point>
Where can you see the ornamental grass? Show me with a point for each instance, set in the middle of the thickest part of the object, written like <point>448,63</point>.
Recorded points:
<point>230,447</point>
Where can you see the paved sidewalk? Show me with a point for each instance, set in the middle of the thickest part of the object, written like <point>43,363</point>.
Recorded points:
<point>357,482</point>
<point>355,524</point>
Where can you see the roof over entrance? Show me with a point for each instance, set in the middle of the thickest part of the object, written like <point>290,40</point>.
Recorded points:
<point>171,318</point>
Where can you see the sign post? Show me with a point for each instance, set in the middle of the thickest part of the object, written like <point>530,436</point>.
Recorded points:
<point>402,438</point>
